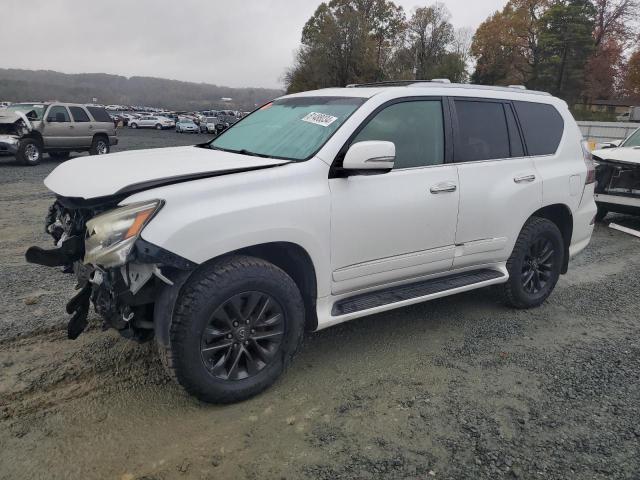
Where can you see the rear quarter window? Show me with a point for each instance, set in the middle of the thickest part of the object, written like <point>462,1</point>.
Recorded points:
<point>542,127</point>
<point>99,114</point>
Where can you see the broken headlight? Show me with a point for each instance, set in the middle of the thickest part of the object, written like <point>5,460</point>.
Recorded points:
<point>110,236</point>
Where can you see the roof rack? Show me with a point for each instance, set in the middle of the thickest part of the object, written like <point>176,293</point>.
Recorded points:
<point>397,83</point>
<point>444,82</point>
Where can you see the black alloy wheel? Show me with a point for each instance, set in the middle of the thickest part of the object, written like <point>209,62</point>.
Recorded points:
<point>538,266</point>
<point>243,336</point>
<point>236,324</point>
<point>535,264</point>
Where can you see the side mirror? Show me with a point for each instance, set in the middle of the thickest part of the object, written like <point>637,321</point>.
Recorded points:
<point>373,155</point>
<point>614,144</point>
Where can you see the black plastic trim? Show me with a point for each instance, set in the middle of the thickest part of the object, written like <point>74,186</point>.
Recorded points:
<point>71,250</point>
<point>147,252</point>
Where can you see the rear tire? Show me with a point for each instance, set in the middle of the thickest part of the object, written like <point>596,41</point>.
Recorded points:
<point>535,264</point>
<point>133,125</point>
<point>236,326</point>
<point>158,126</point>
<point>29,152</point>
<point>100,146</point>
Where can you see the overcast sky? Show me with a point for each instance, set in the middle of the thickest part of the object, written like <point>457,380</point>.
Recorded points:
<point>237,43</point>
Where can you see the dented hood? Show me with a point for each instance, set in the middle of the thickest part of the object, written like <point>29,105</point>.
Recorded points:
<point>137,170</point>
<point>621,154</point>
<point>9,117</point>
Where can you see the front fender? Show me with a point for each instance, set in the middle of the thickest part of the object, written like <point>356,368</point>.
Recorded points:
<point>207,218</point>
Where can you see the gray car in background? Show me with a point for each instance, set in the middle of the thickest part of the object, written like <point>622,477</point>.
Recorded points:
<point>28,130</point>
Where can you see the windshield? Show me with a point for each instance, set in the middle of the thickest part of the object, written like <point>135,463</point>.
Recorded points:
<point>25,108</point>
<point>289,128</point>
<point>633,140</point>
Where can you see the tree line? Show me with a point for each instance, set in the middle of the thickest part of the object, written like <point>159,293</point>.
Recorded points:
<point>42,85</point>
<point>580,50</point>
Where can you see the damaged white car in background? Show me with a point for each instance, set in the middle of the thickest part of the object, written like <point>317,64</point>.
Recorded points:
<point>618,175</point>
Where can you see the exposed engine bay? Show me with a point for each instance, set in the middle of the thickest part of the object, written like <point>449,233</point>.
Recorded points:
<point>122,294</point>
<point>13,127</point>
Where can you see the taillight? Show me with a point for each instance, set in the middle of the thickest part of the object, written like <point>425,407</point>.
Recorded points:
<point>591,166</point>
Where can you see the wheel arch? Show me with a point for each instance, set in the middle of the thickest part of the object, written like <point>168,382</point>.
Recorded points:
<point>100,134</point>
<point>297,263</point>
<point>560,214</point>
<point>36,136</point>
<point>290,257</point>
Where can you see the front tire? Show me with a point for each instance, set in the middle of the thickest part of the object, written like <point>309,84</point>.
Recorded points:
<point>134,125</point>
<point>236,326</point>
<point>535,264</point>
<point>29,152</point>
<point>158,126</point>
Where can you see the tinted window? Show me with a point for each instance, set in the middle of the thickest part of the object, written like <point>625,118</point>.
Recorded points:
<point>416,128</point>
<point>517,149</point>
<point>99,114</point>
<point>482,131</point>
<point>58,114</point>
<point>79,115</point>
<point>542,127</point>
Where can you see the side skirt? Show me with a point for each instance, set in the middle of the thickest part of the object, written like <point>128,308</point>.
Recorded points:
<point>332,310</point>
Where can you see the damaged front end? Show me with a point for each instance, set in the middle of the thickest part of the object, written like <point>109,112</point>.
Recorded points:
<point>116,270</point>
<point>13,127</point>
<point>618,185</point>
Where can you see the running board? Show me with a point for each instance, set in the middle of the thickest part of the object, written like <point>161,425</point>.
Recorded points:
<point>386,296</point>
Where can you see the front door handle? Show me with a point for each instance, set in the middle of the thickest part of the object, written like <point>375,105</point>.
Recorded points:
<point>443,188</point>
<point>524,178</point>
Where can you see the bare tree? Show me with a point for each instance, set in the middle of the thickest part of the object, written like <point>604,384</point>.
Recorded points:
<point>431,33</point>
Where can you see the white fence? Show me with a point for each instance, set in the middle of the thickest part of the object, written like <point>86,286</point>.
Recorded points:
<point>600,132</point>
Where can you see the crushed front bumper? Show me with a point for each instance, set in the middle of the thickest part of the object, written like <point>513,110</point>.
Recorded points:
<point>618,187</point>
<point>9,144</point>
<point>123,295</point>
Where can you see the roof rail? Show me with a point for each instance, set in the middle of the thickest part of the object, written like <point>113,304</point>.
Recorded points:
<point>443,82</point>
<point>397,83</point>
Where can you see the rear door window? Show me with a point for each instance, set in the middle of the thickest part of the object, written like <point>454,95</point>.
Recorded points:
<point>79,115</point>
<point>99,114</point>
<point>542,127</point>
<point>415,127</point>
<point>482,131</point>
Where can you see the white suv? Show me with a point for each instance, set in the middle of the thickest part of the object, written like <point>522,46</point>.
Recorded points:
<point>318,208</point>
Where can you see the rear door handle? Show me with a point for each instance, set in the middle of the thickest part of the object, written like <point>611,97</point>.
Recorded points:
<point>443,188</point>
<point>524,178</point>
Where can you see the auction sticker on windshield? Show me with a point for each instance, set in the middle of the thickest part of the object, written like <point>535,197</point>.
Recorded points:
<point>321,119</point>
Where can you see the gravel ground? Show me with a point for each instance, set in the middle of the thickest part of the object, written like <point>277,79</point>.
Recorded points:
<point>456,388</point>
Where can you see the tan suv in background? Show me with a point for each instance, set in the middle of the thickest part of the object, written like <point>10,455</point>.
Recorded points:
<point>28,130</point>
